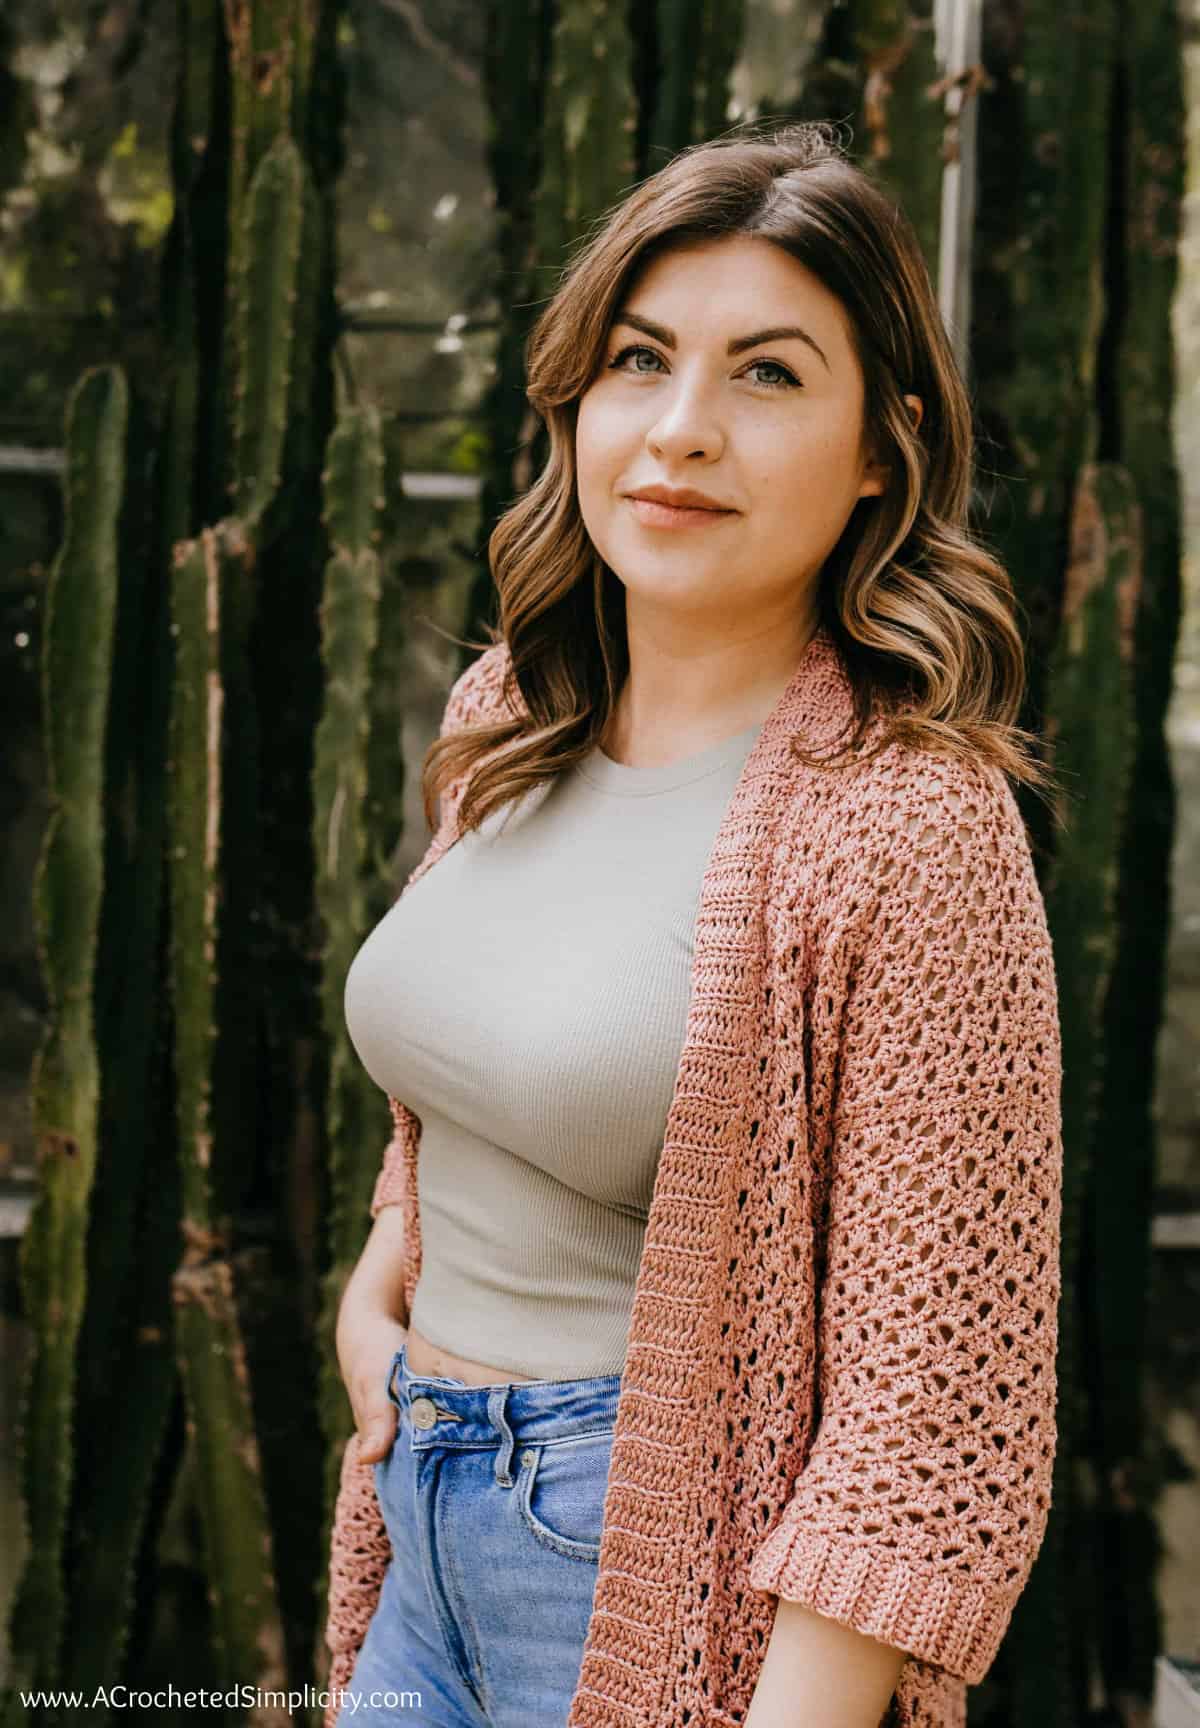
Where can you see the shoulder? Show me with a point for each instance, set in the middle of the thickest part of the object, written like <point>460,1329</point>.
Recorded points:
<point>913,828</point>
<point>908,799</point>
<point>920,801</point>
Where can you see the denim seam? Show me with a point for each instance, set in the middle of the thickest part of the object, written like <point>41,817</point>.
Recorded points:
<point>464,1623</point>
<point>445,1612</point>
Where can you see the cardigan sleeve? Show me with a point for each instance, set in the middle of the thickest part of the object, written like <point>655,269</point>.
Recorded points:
<point>923,1499</point>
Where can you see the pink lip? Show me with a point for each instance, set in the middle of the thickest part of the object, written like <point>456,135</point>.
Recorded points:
<point>655,515</point>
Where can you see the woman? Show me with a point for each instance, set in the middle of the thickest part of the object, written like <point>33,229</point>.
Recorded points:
<point>703,1367</point>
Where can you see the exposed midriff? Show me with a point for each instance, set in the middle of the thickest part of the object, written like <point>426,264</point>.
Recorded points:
<point>425,1357</point>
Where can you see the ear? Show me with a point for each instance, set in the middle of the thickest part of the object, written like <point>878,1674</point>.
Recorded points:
<point>876,475</point>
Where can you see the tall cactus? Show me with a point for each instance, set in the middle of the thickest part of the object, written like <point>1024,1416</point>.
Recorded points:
<point>246,1619</point>
<point>126,1379</point>
<point>697,48</point>
<point>1090,721</point>
<point>1137,388</point>
<point>346,868</point>
<point>1080,144</point>
<point>902,113</point>
<point>237,389</point>
<point>1038,291</point>
<point>65,1084</point>
<point>265,294</point>
<point>517,53</point>
<point>587,127</point>
<point>212,612</point>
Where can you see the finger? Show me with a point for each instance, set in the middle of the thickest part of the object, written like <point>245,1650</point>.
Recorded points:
<point>376,1436</point>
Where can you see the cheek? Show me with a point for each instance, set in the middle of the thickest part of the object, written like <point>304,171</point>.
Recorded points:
<point>601,455</point>
<point>810,469</point>
<point>593,471</point>
<point>598,433</point>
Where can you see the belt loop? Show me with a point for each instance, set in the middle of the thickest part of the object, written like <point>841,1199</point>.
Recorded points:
<point>390,1380</point>
<point>496,1398</point>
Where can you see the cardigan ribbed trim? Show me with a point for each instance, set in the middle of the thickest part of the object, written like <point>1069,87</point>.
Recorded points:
<point>840,1373</point>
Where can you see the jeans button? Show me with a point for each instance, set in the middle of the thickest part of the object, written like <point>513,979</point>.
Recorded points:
<point>423,1413</point>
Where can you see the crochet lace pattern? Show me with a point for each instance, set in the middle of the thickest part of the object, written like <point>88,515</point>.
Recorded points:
<point>840,1375</point>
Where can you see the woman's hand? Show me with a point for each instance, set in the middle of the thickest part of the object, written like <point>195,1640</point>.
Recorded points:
<point>367,1344</point>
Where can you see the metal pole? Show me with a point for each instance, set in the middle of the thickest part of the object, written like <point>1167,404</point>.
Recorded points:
<point>957,46</point>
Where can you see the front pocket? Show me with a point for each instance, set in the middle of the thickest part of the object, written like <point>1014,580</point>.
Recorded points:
<point>561,1491</point>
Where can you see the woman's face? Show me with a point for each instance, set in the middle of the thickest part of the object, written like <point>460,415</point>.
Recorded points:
<point>771,432</point>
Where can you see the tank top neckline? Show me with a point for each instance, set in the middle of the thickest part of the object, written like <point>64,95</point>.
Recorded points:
<point>621,777</point>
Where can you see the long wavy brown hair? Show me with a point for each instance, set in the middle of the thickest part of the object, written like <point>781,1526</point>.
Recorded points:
<point>922,613</point>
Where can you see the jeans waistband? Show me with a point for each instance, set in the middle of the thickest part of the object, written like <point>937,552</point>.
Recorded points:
<point>455,1414</point>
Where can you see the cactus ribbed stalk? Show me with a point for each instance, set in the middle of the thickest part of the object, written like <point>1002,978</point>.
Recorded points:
<point>266,294</point>
<point>1138,389</point>
<point>212,822</point>
<point>1091,724</point>
<point>345,867</point>
<point>904,122</point>
<point>81,606</point>
<point>588,124</point>
<point>697,50</point>
<point>247,1630</point>
<point>518,50</point>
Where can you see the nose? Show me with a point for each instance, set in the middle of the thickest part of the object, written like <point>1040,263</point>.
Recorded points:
<point>686,426</point>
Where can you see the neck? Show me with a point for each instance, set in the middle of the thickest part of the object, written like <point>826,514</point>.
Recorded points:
<point>679,697</point>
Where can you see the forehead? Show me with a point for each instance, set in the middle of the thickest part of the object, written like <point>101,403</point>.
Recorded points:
<point>721,286</point>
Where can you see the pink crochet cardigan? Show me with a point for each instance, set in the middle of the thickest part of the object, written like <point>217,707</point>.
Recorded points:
<point>840,1378</point>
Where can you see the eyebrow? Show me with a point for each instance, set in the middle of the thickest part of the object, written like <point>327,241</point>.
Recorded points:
<point>776,333</point>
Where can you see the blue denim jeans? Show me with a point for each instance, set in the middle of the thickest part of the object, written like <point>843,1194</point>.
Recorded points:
<point>493,1497</point>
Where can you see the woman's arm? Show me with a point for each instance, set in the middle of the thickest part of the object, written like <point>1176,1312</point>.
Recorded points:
<point>921,1500</point>
<point>377,1281</point>
<point>818,1673</point>
<point>371,1326</point>
<point>372,1305</point>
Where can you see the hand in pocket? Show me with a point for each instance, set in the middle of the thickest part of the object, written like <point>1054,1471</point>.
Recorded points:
<point>367,1346</point>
